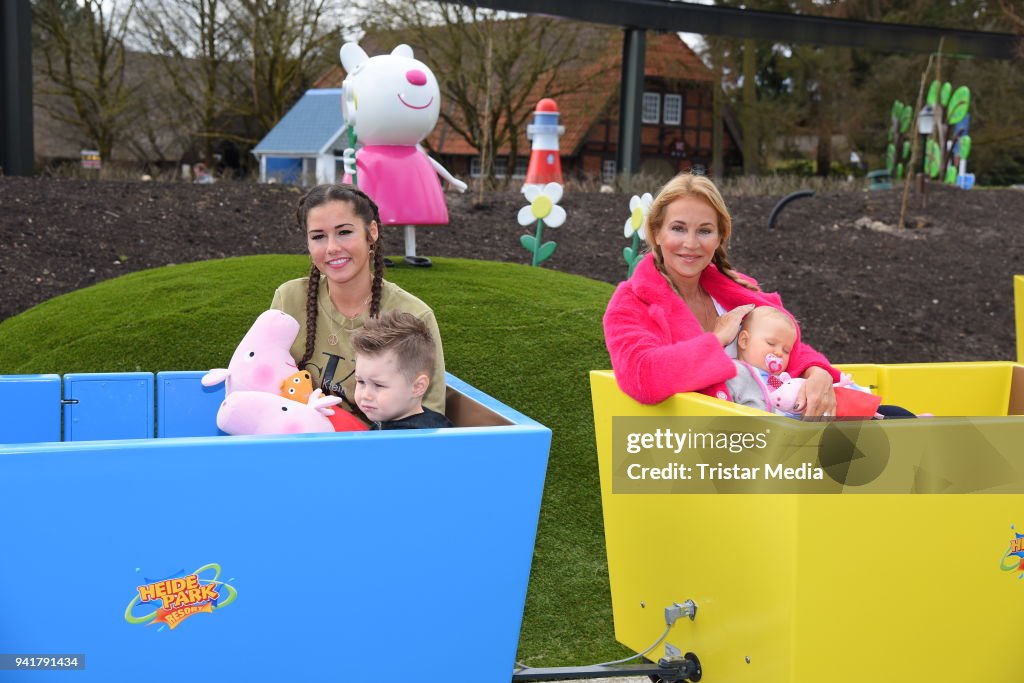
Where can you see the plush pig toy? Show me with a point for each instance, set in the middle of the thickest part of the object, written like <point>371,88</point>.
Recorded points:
<point>257,412</point>
<point>850,401</point>
<point>266,394</point>
<point>263,358</point>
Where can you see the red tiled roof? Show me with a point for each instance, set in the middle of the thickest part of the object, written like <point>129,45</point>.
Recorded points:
<point>331,78</point>
<point>667,57</point>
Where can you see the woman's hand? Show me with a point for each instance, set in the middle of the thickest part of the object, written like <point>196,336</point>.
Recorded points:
<point>728,325</point>
<point>817,395</point>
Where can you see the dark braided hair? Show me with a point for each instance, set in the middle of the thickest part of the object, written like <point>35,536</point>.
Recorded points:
<point>364,208</point>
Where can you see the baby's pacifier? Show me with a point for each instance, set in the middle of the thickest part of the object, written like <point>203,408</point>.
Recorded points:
<point>773,363</point>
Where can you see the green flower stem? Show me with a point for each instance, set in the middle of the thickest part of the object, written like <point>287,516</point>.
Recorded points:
<point>536,245</point>
<point>636,250</point>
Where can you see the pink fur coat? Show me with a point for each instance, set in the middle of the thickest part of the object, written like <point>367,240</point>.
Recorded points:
<point>658,348</point>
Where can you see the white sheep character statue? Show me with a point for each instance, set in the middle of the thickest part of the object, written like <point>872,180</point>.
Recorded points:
<point>392,102</point>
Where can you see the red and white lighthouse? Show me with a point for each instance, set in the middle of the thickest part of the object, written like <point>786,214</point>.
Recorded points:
<point>545,162</point>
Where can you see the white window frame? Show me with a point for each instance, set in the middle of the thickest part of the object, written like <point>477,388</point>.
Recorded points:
<point>678,118</point>
<point>608,171</point>
<point>522,166</point>
<point>518,173</point>
<point>651,102</point>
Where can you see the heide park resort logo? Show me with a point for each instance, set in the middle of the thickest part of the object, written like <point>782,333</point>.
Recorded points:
<point>1013,558</point>
<point>180,597</point>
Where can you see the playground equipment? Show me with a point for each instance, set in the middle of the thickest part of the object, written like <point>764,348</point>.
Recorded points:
<point>1018,296</point>
<point>794,587</point>
<point>391,102</point>
<point>332,556</point>
<point>799,194</point>
<point>798,587</point>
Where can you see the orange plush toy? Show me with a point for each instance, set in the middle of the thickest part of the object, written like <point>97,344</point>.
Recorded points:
<point>299,386</point>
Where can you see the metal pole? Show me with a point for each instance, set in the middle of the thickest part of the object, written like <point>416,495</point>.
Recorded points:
<point>17,156</point>
<point>631,92</point>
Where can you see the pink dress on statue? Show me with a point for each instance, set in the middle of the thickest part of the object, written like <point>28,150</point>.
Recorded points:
<point>403,183</point>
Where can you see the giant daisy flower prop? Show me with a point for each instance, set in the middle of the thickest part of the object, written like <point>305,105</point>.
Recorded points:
<point>544,209</point>
<point>636,227</point>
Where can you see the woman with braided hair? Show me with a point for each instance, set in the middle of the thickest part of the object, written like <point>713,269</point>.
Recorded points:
<point>345,286</point>
<point>672,326</point>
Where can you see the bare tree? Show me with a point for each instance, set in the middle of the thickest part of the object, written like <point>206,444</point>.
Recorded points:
<point>1014,16</point>
<point>490,67</point>
<point>284,46</point>
<point>83,57</point>
<point>235,67</point>
<point>195,41</point>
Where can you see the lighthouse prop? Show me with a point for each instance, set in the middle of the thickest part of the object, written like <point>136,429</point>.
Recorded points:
<point>392,102</point>
<point>545,162</point>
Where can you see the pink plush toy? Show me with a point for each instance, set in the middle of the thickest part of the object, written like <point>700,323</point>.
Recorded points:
<point>785,397</point>
<point>850,402</point>
<point>256,398</point>
<point>257,412</point>
<point>263,358</point>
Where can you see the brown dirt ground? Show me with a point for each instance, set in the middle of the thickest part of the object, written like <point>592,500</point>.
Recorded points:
<point>940,291</point>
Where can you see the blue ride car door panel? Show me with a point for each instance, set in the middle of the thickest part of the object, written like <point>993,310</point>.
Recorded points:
<point>104,406</point>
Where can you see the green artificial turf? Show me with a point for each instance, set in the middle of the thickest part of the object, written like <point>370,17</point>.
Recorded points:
<point>527,336</point>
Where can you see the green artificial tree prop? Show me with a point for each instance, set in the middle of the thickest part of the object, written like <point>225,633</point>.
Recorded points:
<point>949,143</point>
<point>897,152</point>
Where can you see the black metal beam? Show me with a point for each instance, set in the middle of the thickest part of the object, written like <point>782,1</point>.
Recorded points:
<point>664,15</point>
<point>634,47</point>
<point>16,150</point>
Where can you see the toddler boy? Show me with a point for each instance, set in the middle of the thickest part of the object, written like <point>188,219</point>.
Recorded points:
<point>394,362</point>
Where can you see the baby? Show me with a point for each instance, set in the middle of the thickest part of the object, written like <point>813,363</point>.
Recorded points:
<point>394,362</point>
<point>765,341</point>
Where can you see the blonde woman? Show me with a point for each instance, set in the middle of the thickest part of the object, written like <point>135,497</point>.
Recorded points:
<point>672,326</point>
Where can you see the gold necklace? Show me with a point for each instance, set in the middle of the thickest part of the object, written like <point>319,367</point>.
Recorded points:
<point>707,324</point>
<point>332,338</point>
<point>709,317</point>
<point>358,310</point>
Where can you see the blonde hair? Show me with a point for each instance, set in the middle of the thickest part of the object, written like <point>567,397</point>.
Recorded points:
<point>691,185</point>
<point>764,312</point>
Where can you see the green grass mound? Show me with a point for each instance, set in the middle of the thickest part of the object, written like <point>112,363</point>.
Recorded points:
<point>527,336</point>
